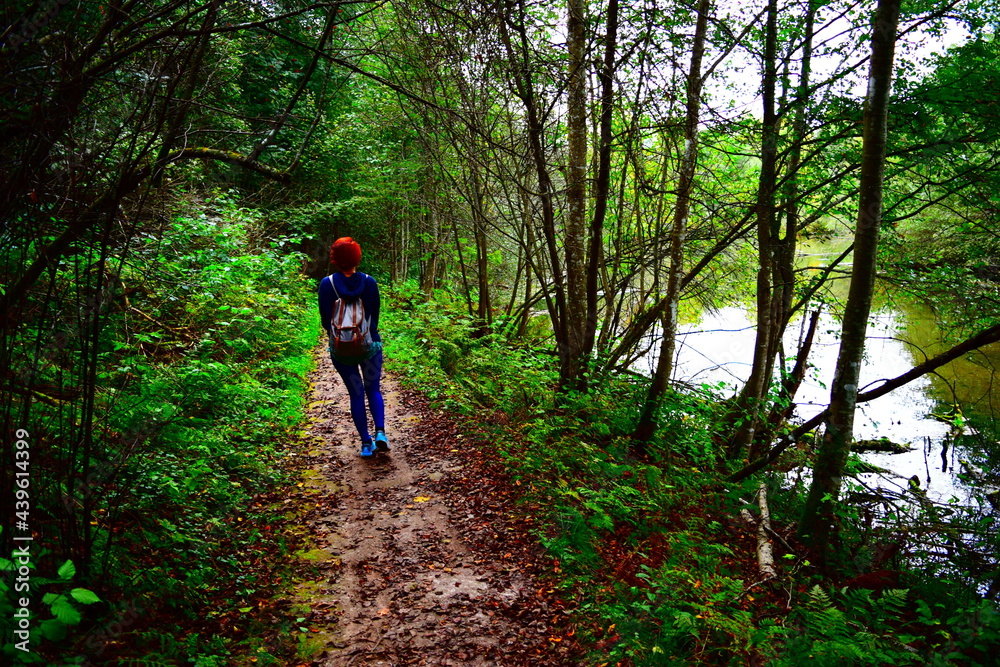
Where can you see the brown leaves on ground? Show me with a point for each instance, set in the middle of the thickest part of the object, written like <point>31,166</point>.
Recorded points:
<point>421,556</point>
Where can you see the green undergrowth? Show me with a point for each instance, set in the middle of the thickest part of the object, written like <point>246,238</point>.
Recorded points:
<point>655,579</point>
<point>661,570</point>
<point>200,384</point>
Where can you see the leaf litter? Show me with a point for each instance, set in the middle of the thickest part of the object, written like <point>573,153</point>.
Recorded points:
<point>420,555</point>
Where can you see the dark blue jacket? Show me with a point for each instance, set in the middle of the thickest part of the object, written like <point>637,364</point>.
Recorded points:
<point>359,285</point>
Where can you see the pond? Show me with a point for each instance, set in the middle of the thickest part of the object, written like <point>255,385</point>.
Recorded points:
<point>717,346</point>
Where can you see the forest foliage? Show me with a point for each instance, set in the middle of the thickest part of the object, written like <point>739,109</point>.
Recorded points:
<point>546,186</point>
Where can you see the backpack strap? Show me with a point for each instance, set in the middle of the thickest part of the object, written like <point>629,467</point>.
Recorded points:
<point>333,313</point>
<point>341,305</point>
<point>330,278</point>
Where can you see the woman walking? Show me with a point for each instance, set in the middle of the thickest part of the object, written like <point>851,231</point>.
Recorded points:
<point>343,295</point>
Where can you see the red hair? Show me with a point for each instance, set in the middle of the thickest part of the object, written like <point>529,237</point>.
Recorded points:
<point>345,253</point>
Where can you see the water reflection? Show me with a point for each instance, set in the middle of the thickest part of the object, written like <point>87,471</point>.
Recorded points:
<point>717,347</point>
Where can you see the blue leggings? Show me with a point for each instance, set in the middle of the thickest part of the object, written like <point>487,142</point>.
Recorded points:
<point>371,371</point>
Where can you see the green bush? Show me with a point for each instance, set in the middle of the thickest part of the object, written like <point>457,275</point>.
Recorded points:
<point>199,381</point>
<point>642,543</point>
<point>603,507</point>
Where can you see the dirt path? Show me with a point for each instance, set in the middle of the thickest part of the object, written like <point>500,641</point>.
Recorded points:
<point>422,559</point>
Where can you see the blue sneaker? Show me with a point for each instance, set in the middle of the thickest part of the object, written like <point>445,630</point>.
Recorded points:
<point>367,449</point>
<point>381,442</point>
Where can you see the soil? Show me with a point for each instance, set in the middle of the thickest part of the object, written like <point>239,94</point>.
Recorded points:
<point>422,556</point>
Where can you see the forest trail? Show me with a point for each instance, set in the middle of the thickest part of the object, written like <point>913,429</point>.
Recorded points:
<point>422,559</point>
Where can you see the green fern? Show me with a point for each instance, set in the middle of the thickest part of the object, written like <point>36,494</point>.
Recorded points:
<point>818,598</point>
<point>851,627</point>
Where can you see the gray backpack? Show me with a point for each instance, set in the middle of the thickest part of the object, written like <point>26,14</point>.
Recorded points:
<point>350,335</point>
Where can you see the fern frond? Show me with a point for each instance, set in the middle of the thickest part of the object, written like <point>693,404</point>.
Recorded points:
<point>818,598</point>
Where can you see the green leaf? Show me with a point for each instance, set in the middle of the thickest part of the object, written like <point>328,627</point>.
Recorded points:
<point>67,571</point>
<point>66,612</point>
<point>53,629</point>
<point>83,596</point>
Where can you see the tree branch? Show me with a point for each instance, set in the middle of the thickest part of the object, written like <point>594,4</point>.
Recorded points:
<point>130,181</point>
<point>984,337</point>
<point>230,157</point>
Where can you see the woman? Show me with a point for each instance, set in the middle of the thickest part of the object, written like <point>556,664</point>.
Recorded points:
<point>361,375</point>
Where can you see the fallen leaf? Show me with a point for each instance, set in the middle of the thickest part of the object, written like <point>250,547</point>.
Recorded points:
<point>421,499</point>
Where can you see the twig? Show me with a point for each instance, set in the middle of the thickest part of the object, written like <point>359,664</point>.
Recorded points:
<point>776,535</point>
<point>157,322</point>
<point>753,586</point>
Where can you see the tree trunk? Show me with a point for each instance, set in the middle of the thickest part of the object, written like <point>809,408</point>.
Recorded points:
<point>485,308</point>
<point>529,252</point>
<point>193,69</point>
<point>784,408</point>
<point>576,199</point>
<point>602,184</point>
<point>465,274</point>
<point>746,409</point>
<point>431,251</point>
<point>678,233</point>
<point>817,517</point>
<point>536,130</point>
<point>765,551</point>
<point>984,337</point>
<point>783,260</point>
